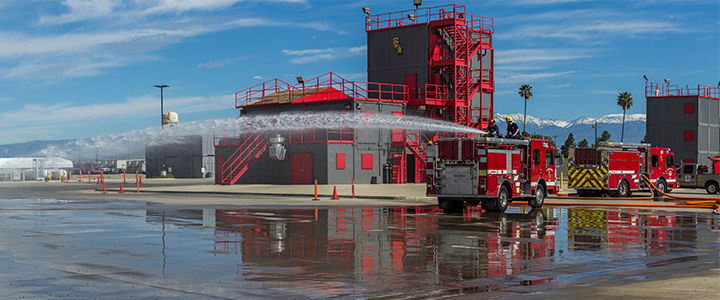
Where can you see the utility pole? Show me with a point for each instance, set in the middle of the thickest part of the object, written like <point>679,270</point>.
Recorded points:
<point>596,128</point>
<point>555,139</point>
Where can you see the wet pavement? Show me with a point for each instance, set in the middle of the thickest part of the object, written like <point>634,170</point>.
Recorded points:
<point>121,249</point>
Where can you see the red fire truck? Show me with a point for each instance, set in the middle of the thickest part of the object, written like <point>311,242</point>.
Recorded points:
<point>489,171</point>
<point>617,169</point>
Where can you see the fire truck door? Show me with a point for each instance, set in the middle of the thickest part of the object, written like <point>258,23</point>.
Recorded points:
<point>461,180</point>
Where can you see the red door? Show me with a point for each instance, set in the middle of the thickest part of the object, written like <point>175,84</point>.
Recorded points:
<point>301,168</point>
<point>219,162</point>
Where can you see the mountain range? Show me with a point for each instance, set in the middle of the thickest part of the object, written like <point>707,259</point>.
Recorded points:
<point>581,128</point>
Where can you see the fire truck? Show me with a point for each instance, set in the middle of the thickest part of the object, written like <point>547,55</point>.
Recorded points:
<point>617,169</point>
<point>492,172</point>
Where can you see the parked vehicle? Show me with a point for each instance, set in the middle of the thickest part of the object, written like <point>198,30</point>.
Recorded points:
<point>489,171</point>
<point>617,169</point>
<point>698,176</point>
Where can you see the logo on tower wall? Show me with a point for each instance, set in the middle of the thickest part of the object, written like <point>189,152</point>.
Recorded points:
<point>397,45</point>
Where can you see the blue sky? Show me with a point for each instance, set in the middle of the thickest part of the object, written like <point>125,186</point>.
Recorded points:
<point>75,69</point>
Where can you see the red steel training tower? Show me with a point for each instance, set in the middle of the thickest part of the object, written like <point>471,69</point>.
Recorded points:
<point>434,62</point>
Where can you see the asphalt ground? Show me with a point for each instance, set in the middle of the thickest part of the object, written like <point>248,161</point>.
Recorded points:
<point>700,280</point>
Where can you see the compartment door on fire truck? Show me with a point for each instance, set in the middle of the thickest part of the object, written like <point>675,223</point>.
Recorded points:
<point>460,180</point>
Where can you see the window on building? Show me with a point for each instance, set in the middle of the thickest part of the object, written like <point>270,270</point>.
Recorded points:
<point>367,161</point>
<point>689,108</point>
<point>536,156</point>
<point>340,161</point>
<point>688,136</point>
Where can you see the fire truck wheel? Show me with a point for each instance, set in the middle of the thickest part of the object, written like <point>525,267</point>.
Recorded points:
<point>623,190</point>
<point>712,188</point>
<point>503,199</point>
<point>661,186</point>
<point>450,206</point>
<point>537,202</point>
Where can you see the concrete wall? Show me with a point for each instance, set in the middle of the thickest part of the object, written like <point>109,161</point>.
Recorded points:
<point>667,122</point>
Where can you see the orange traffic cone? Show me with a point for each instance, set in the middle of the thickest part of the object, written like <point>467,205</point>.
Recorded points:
<point>121,188</point>
<point>98,181</point>
<point>334,193</point>
<point>140,179</point>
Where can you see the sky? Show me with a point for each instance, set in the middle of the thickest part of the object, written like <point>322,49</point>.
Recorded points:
<point>76,69</point>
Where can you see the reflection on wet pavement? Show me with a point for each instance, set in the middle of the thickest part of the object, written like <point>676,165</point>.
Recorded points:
<point>123,249</point>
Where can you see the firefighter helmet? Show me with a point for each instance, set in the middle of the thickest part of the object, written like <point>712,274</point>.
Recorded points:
<point>508,119</point>
<point>492,121</point>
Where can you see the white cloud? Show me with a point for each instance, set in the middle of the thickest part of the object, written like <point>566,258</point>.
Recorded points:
<point>525,78</point>
<point>314,55</point>
<point>81,10</point>
<point>6,99</point>
<point>36,116</point>
<point>558,86</point>
<point>220,62</point>
<point>524,56</point>
<point>258,77</point>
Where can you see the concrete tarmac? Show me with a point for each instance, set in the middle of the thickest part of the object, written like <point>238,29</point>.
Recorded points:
<point>700,280</point>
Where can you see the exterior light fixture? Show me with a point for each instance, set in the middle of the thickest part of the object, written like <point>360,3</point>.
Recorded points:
<point>417,3</point>
<point>366,10</point>
<point>301,80</point>
<point>411,17</point>
<point>667,81</point>
<point>645,77</point>
<point>161,87</point>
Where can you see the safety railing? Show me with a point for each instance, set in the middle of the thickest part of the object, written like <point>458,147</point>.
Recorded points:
<point>273,91</point>
<point>654,89</point>
<point>431,95</point>
<point>426,15</point>
<point>325,88</point>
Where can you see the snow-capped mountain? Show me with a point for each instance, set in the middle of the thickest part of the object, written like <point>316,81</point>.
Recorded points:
<point>582,127</point>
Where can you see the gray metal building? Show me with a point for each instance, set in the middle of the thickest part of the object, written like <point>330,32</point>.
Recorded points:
<point>686,120</point>
<point>187,156</point>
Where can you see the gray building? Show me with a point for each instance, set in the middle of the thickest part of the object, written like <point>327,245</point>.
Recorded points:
<point>686,120</point>
<point>186,156</point>
<point>437,65</point>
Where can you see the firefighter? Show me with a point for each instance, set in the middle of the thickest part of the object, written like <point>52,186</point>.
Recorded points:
<point>513,131</point>
<point>493,130</point>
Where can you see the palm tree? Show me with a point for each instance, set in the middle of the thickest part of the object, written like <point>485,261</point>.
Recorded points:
<point>525,91</point>
<point>625,101</point>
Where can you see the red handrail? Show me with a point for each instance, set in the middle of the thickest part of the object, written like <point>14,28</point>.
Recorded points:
<point>324,88</point>
<point>426,15</point>
<point>654,89</point>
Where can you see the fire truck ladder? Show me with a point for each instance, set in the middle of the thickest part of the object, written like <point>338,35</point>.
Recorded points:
<point>239,162</point>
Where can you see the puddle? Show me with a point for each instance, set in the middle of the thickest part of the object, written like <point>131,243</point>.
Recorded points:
<point>122,249</point>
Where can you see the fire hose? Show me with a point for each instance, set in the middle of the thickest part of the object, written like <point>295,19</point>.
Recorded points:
<point>713,203</point>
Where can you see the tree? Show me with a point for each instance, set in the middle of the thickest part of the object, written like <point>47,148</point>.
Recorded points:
<point>569,143</point>
<point>625,101</point>
<point>644,140</point>
<point>525,91</point>
<point>583,143</point>
<point>604,137</point>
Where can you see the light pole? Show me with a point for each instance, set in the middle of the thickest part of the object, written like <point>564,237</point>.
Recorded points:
<point>161,102</point>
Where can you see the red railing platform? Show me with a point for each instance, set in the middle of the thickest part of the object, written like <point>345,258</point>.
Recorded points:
<point>654,89</point>
<point>426,15</point>
<point>328,87</point>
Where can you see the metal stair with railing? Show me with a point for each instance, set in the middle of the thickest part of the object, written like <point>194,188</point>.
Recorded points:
<point>238,163</point>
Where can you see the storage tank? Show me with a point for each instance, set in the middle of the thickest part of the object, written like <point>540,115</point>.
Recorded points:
<point>170,118</point>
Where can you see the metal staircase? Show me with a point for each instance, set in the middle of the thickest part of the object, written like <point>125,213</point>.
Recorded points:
<point>238,163</point>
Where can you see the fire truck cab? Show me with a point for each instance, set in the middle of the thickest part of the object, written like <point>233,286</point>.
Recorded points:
<point>617,169</point>
<point>489,171</point>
